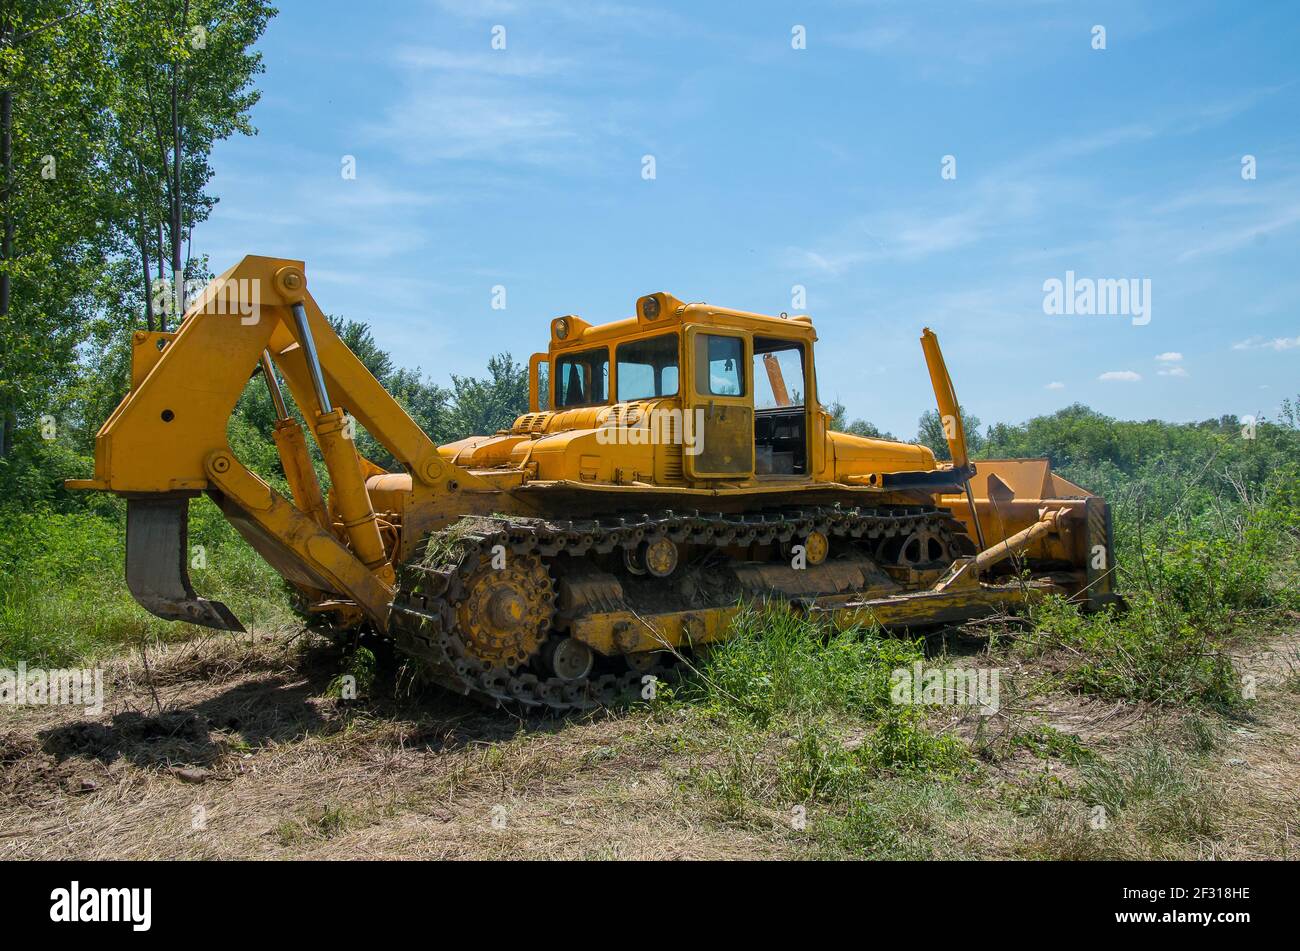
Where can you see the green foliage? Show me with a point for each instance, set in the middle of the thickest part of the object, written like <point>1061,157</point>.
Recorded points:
<point>1207,527</point>
<point>902,743</point>
<point>63,598</point>
<point>1211,573</point>
<point>780,664</point>
<point>858,427</point>
<point>116,107</point>
<point>820,766</point>
<point>930,432</point>
<point>54,198</point>
<point>484,406</point>
<point>1156,471</point>
<point>1207,534</point>
<point>360,666</point>
<point>803,714</point>
<point>1047,742</point>
<point>1150,652</point>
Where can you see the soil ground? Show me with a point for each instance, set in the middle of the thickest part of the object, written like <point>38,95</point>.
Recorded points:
<point>231,747</point>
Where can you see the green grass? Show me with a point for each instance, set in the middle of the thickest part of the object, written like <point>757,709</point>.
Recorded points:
<point>1155,788</point>
<point>1148,801</point>
<point>1146,653</point>
<point>317,823</point>
<point>63,596</point>
<point>1194,587</point>
<point>799,716</point>
<point>778,664</point>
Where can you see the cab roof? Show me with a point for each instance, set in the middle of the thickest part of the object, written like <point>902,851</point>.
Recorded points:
<point>663,312</point>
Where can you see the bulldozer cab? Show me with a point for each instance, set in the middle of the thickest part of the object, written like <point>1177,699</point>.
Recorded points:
<point>744,383</point>
<point>752,390</point>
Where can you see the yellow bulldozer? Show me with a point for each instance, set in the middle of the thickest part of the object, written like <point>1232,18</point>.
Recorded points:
<point>673,466</point>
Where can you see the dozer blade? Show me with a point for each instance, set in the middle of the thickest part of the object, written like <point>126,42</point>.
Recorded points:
<point>157,533</point>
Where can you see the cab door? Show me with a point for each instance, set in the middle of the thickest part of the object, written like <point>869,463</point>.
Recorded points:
<point>718,438</point>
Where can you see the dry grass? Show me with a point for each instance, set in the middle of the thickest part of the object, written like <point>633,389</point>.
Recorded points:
<point>231,748</point>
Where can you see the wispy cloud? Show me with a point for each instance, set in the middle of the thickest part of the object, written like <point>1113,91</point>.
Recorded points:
<point>1055,385</point>
<point>1231,237</point>
<point>1260,343</point>
<point>467,117</point>
<point>1120,376</point>
<point>1170,356</point>
<point>589,13</point>
<point>910,235</point>
<point>1173,371</point>
<point>490,62</point>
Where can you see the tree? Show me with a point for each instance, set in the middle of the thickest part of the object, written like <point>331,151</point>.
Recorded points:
<point>482,407</point>
<point>108,112</point>
<point>426,402</point>
<point>930,432</point>
<point>54,191</point>
<point>185,72</point>
<point>859,427</point>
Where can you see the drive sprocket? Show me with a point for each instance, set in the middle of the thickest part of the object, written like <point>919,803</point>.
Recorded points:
<point>507,610</point>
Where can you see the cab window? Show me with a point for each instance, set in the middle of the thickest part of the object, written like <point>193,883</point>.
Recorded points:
<point>718,369</point>
<point>582,379</point>
<point>647,368</point>
<point>778,373</point>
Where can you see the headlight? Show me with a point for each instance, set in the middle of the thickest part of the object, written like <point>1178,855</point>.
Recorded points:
<point>561,329</point>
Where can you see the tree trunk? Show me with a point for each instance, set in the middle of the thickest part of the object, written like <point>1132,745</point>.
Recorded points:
<point>7,159</point>
<point>178,274</point>
<point>144,273</point>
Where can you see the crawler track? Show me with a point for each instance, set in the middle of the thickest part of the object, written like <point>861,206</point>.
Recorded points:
<point>434,587</point>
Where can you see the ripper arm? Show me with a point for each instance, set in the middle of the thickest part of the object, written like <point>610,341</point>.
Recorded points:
<point>167,441</point>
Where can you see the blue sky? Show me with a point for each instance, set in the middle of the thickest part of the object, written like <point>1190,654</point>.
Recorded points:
<point>819,167</point>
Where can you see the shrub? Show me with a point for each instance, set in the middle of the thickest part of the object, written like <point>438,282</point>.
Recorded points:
<point>1150,652</point>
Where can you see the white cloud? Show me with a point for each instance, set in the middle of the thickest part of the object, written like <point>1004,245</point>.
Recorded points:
<point>911,234</point>
<point>1055,385</point>
<point>1123,376</point>
<point>1171,356</point>
<point>622,16</point>
<point>493,63</point>
<point>1232,238</point>
<point>1172,371</point>
<point>464,119</point>
<point>1260,343</point>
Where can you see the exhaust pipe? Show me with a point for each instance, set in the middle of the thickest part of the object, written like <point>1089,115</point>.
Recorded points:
<point>157,573</point>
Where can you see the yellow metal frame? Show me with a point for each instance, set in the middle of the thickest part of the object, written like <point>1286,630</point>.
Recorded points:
<point>168,435</point>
